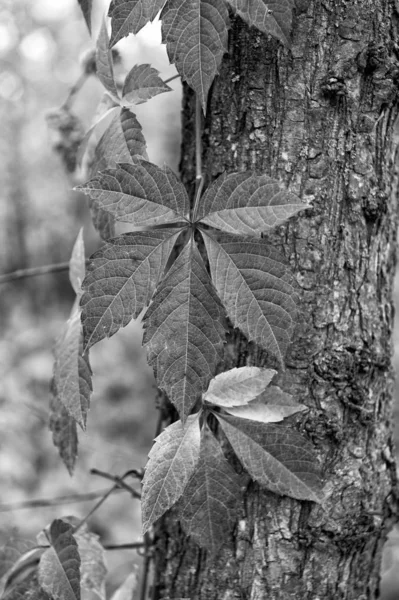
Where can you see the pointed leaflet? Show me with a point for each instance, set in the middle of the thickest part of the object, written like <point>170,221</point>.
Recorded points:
<point>195,34</point>
<point>247,204</point>
<point>92,568</point>
<point>142,83</point>
<point>77,264</point>
<point>65,435</point>
<point>106,107</point>
<point>183,333</point>
<point>86,6</point>
<point>276,456</point>
<point>271,16</point>
<point>270,406</point>
<point>59,567</point>
<point>172,461</point>
<point>121,279</point>
<point>238,386</point>
<point>129,16</point>
<point>104,64</point>
<point>139,193</point>
<point>127,589</point>
<point>256,287</point>
<point>210,503</point>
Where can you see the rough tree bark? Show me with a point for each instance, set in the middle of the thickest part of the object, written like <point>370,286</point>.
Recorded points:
<point>321,117</point>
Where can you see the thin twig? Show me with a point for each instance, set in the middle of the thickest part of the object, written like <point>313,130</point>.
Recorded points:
<point>74,90</point>
<point>118,481</point>
<point>34,271</point>
<point>146,566</point>
<point>132,546</point>
<point>172,78</point>
<point>95,507</point>
<point>47,502</point>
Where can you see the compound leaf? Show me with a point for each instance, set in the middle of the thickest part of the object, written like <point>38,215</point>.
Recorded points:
<point>59,567</point>
<point>276,456</point>
<point>238,386</point>
<point>210,503</point>
<point>139,193</point>
<point>86,6</point>
<point>271,16</point>
<point>121,279</point>
<point>104,63</point>
<point>247,204</point>
<point>63,427</point>
<point>142,83</point>
<point>172,461</point>
<point>184,334</point>
<point>129,16</point>
<point>256,287</point>
<point>195,34</point>
<point>270,406</point>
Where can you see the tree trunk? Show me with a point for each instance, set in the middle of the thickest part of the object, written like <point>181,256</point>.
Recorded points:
<point>320,117</point>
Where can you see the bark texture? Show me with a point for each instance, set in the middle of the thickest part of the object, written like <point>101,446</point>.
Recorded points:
<point>320,117</point>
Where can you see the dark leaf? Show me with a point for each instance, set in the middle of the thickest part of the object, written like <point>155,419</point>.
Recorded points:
<point>271,16</point>
<point>276,456</point>
<point>65,435</point>
<point>104,64</point>
<point>183,333</point>
<point>238,386</point>
<point>142,83</point>
<point>270,406</point>
<point>172,461</point>
<point>129,16</point>
<point>86,6</point>
<point>121,279</point>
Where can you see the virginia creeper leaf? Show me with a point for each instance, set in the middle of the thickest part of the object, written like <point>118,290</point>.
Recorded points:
<point>129,16</point>
<point>171,463</point>
<point>271,16</point>
<point>183,332</point>
<point>11,552</point>
<point>140,193</point>
<point>92,567</point>
<point>276,456</point>
<point>77,264</point>
<point>142,83</point>
<point>27,589</point>
<point>86,6</point>
<point>121,279</point>
<point>270,406</point>
<point>247,204</point>
<point>210,503</point>
<point>106,107</point>
<point>195,34</point>
<point>238,386</point>
<point>59,567</point>
<point>256,287</point>
<point>127,589</point>
<point>63,427</point>
<point>104,63</point>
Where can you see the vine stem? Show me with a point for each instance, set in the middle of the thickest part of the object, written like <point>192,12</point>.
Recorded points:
<point>199,178</point>
<point>57,501</point>
<point>34,271</point>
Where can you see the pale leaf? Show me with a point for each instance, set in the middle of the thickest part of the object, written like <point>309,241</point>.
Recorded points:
<point>86,6</point>
<point>129,16</point>
<point>212,498</point>
<point>247,204</point>
<point>127,589</point>
<point>142,83</point>
<point>63,427</point>
<point>271,406</point>
<point>271,16</point>
<point>59,567</point>
<point>121,279</point>
<point>195,34</point>
<point>238,386</point>
<point>184,333</point>
<point>275,456</point>
<point>172,461</point>
<point>77,264</point>
<point>105,108</point>
<point>104,63</point>
<point>92,568</point>
<point>256,287</point>
<point>17,555</point>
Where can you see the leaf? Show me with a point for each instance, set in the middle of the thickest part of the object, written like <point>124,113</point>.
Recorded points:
<point>59,567</point>
<point>172,461</point>
<point>104,63</point>
<point>256,287</point>
<point>17,560</point>
<point>11,552</point>
<point>92,568</point>
<point>183,331</point>
<point>127,589</point>
<point>65,435</point>
<point>86,6</point>
<point>270,406</point>
<point>139,193</point>
<point>210,503</point>
<point>271,16</point>
<point>142,83</point>
<point>77,264</point>
<point>195,34</point>
<point>129,16</point>
<point>27,589</point>
<point>238,386</point>
<point>276,456</point>
<point>247,204</point>
<point>121,279</point>
<point>106,107</point>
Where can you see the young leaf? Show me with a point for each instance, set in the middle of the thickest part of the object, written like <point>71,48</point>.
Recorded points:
<point>195,34</point>
<point>210,503</point>
<point>271,16</point>
<point>106,107</point>
<point>86,6</point>
<point>63,426</point>
<point>139,193</point>
<point>172,461</point>
<point>247,204</point>
<point>127,589</point>
<point>104,63</point>
<point>77,264</point>
<point>142,83</point>
<point>121,279</point>
<point>276,456</point>
<point>59,567</point>
<point>238,386</point>
<point>183,331</point>
<point>92,568</point>
<point>129,16</point>
<point>257,288</point>
<point>271,406</point>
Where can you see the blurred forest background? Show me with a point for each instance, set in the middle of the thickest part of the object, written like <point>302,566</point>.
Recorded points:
<point>40,216</point>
